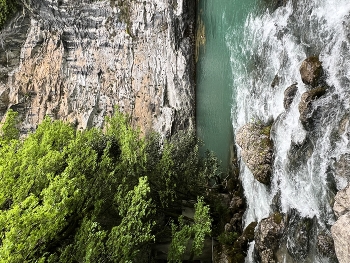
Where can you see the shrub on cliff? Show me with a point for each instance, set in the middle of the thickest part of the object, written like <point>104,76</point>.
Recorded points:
<point>7,7</point>
<point>96,196</point>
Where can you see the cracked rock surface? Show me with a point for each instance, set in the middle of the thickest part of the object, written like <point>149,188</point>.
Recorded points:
<point>76,60</point>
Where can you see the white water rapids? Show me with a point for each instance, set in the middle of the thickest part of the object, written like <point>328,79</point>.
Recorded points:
<point>275,43</point>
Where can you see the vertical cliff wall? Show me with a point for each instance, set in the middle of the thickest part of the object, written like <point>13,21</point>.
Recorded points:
<point>75,60</point>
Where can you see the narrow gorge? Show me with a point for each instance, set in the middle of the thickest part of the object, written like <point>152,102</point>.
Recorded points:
<point>276,109</point>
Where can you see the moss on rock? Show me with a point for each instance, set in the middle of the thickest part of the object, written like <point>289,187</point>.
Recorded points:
<point>257,149</point>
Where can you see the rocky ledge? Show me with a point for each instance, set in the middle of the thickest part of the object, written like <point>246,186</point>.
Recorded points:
<point>76,60</point>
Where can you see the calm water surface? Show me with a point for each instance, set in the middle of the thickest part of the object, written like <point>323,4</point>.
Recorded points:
<point>216,18</point>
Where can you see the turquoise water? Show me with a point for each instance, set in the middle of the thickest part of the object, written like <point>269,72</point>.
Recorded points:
<point>214,72</point>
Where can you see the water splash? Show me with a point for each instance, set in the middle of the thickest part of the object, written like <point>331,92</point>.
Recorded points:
<point>272,47</point>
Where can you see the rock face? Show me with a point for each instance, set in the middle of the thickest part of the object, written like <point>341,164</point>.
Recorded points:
<point>267,237</point>
<point>257,150</point>
<point>75,60</point>
<point>305,106</point>
<point>311,71</point>
<point>340,230</point>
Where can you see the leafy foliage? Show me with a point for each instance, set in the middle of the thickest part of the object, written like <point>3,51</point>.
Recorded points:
<point>185,231</point>
<point>6,8</point>
<point>94,195</point>
<point>9,130</point>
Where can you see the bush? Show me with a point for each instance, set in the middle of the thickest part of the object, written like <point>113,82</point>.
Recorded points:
<point>7,7</point>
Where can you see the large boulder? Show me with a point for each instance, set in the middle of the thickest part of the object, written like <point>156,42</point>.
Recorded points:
<point>268,235</point>
<point>341,230</point>
<point>257,150</point>
<point>311,71</point>
<point>305,106</point>
<point>341,233</point>
<point>289,95</point>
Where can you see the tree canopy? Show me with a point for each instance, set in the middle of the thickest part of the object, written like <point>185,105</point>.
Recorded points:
<point>98,195</point>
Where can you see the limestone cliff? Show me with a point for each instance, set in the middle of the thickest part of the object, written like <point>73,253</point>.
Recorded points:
<point>75,60</point>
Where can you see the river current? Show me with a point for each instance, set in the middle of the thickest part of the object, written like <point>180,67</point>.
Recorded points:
<point>263,44</point>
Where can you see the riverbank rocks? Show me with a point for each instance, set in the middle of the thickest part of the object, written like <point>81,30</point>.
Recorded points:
<point>289,95</point>
<point>257,150</point>
<point>305,106</point>
<point>268,235</point>
<point>311,71</point>
<point>341,230</point>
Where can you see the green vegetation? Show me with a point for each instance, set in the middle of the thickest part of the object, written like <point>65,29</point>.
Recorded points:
<point>7,7</point>
<point>98,195</point>
<point>197,231</point>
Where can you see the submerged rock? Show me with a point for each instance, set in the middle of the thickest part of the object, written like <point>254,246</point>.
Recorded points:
<point>276,81</point>
<point>289,95</point>
<point>325,245</point>
<point>305,106</point>
<point>298,232</point>
<point>311,71</point>
<point>257,150</point>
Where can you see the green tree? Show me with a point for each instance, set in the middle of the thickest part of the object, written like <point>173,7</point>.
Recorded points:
<point>187,230</point>
<point>9,130</point>
<point>94,195</point>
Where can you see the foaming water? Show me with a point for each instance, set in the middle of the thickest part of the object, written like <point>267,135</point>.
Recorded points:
<point>272,47</point>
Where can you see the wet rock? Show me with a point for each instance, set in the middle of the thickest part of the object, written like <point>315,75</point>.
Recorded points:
<point>240,246</point>
<point>275,81</point>
<point>305,106</point>
<point>298,232</point>
<point>298,154</point>
<point>340,233</point>
<point>325,245</point>
<point>268,235</point>
<point>289,95</point>
<point>311,71</point>
<point>236,203</point>
<point>257,150</point>
<point>276,3</point>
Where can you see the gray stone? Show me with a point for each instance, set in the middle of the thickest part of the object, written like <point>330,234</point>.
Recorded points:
<point>257,150</point>
<point>311,71</point>
<point>305,106</point>
<point>341,233</point>
<point>268,235</point>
